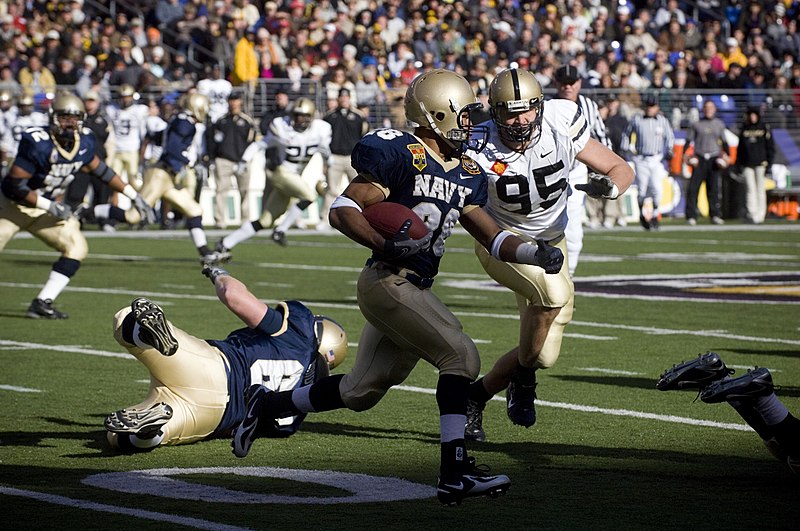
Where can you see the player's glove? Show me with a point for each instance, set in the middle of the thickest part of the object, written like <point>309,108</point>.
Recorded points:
<point>146,211</point>
<point>599,186</point>
<point>548,257</point>
<point>402,245</point>
<point>59,210</point>
<point>212,272</point>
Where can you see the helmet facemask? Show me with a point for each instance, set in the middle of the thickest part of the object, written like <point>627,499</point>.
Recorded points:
<point>524,134</point>
<point>66,119</point>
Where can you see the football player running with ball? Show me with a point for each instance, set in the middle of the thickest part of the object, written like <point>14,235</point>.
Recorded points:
<point>428,172</point>
<point>45,165</point>
<point>198,387</point>
<point>530,150</point>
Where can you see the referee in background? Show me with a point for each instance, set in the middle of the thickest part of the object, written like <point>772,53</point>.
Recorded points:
<point>568,80</point>
<point>648,137</point>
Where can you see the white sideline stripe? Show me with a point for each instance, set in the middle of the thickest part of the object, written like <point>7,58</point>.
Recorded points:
<point>64,348</point>
<point>650,330</point>
<point>609,371</point>
<point>19,389</point>
<point>102,507</point>
<point>589,336</point>
<point>607,411</point>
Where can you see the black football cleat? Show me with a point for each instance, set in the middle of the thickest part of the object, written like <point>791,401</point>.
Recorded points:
<point>644,222</point>
<point>694,374</point>
<point>757,382</point>
<point>44,309</point>
<point>279,237</point>
<point>473,430</point>
<point>153,327</point>
<point>520,397</point>
<point>258,398</point>
<point>145,423</point>
<point>473,482</point>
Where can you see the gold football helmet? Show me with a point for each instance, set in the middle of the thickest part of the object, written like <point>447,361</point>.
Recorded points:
<point>196,105</point>
<point>441,100</point>
<point>302,114</point>
<point>127,94</point>
<point>331,340</point>
<point>66,116</point>
<point>512,92</point>
<point>6,97</point>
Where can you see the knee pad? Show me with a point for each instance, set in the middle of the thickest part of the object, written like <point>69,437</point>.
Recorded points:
<point>72,242</point>
<point>465,361</point>
<point>362,402</point>
<point>119,317</point>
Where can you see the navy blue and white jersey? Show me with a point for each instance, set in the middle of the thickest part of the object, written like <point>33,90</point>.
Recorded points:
<point>280,362</point>
<point>52,167</point>
<point>412,175</point>
<point>178,139</point>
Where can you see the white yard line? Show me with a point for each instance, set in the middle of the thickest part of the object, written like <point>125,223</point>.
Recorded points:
<point>117,510</point>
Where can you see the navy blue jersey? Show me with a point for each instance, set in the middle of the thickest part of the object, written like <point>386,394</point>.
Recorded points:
<point>52,168</point>
<point>280,362</point>
<point>418,179</point>
<point>178,139</point>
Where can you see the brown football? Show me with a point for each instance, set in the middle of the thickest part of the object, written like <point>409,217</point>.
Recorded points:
<point>387,218</point>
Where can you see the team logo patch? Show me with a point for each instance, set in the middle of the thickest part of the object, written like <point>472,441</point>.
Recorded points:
<point>54,156</point>
<point>417,156</point>
<point>470,166</point>
<point>499,167</point>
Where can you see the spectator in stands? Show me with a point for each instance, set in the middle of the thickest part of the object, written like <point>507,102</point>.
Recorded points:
<point>35,78</point>
<point>245,61</point>
<point>669,12</point>
<point>168,10</point>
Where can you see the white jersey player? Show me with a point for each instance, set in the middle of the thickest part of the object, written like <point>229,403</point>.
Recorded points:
<point>297,148</point>
<point>216,89</point>
<point>531,149</point>
<point>17,120</point>
<point>128,119</point>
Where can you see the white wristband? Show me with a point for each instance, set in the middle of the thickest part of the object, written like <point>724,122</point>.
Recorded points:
<point>344,201</point>
<point>497,242</point>
<point>129,192</point>
<point>42,202</point>
<point>526,254</point>
<point>614,193</point>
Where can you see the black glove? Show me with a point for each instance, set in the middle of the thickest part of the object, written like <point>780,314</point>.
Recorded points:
<point>549,257</point>
<point>599,186</point>
<point>59,210</point>
<point>145,210</point>
<point>212,272</point>
<point>402,245</point>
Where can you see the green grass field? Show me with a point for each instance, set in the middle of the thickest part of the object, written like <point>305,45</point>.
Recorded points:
<point>608,451</point>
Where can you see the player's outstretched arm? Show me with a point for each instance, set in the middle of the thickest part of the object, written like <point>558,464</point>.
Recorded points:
<point>507,247</point>
<point>606,162</point>
<point>235,296</point>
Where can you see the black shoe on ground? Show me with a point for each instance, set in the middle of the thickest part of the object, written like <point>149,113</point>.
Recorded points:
<point>279,237</point>
<point>644,222</point>
<point>145,423</point>
<point>153,327</point>
<point>757,382</point>
<point>473,482</point>
<point>520,397</point>
<point>43,309</point>
<point>257,397</point>
<point>473,431</point>
<point>694,374</point>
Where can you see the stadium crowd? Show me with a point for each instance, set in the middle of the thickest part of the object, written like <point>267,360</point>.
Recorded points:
<point>376,48</point>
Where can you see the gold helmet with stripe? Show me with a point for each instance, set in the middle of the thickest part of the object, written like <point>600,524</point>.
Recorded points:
<point>514,92</point>
<point>331,340</point>
<point>196,105</point>
<point>303,113</point>
<point>67,114</point>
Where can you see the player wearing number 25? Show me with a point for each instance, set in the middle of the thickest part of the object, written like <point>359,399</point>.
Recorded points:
<point>46,164</point>
<point>429,172</point>
<point>531,147</point>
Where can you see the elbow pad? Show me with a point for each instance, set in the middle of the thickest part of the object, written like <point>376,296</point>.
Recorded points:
<point>15,189</point>
<point>104,172</point>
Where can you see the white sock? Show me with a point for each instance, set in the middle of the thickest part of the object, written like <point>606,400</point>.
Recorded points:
<point>245,232</point>
<point>452,427</point>
<point>301,399</point>
<point>55,284</point>
<point>291,216</point>
<point>198,236</point>
<point>771,409</point>
<point>102,211</point>
<point>147,443</point>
